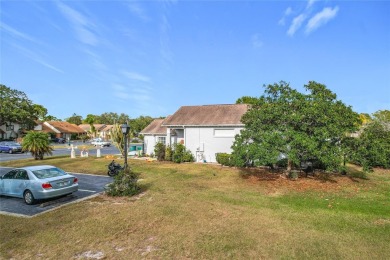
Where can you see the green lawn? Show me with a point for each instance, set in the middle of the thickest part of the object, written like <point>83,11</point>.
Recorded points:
<point>202,211</point>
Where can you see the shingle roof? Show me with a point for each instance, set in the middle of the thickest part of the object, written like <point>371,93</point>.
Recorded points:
<point>47,129</point>
<point>155,127</point>
<point>208,115</point>
<point>107,128</point>
<point>85,127</point>
<point>65,127</point>
<point>98,127</point>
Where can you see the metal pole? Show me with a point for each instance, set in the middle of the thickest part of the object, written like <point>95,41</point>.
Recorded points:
<point>125,151</point>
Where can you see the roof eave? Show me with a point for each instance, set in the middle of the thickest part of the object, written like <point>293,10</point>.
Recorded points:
<point>220,125</point>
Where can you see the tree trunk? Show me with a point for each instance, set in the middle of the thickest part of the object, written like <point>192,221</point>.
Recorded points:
<point>289,166</point>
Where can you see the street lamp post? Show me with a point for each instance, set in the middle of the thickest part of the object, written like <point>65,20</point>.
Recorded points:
<point>125,130</point>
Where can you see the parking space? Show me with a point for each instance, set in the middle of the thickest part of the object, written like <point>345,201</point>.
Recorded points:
<point>89,185</point>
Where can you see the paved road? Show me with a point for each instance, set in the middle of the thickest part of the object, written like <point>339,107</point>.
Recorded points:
<point>89,185</point>
<point>61,151</point>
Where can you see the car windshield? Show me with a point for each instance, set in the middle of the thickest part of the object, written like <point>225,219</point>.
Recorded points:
<point>48,173</point>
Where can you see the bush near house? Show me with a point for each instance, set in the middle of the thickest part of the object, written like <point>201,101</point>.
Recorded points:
<point>177,154</point>
<point>159,151</point>
<point>168,153</point>
<point>224,159</point>
<point>181,154</point>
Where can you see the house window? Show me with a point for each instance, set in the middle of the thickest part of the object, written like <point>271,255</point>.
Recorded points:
<point>161,139</point>
<point>224,132</point>
<point>9,127</point>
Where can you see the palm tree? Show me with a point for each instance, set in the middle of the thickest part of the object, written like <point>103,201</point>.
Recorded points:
<point>38,144</point>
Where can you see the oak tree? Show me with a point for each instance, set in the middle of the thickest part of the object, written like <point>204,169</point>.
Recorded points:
<point>299,126</point>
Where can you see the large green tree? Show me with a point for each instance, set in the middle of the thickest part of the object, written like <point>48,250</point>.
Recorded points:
<point>75,119</point>
<point>15,106</point>
<point>300,126</point>
<point>108,118</point>
<point>382,117</point>
<point>139,123</point>
<point>372,147</point>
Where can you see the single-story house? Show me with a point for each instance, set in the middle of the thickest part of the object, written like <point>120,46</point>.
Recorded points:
<point>153,134</point>
<point>103,131</point>
<point>61,129</point>
<point>204,130</point>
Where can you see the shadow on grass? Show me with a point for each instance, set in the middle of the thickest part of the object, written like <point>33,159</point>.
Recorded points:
<point>358,176</point>
<point>261,174</point>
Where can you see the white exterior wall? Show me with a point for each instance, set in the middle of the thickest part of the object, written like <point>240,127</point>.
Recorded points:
<point>204,144</point>
<point>10,133</point>
<point>150,142</point>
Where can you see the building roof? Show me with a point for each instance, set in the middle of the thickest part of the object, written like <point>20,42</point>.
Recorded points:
<point>87,127</point>
<point>155,127</point>
<point>107,128</point>
<point>47,129</point>
<point>208,115</point>
<point>64,127</point>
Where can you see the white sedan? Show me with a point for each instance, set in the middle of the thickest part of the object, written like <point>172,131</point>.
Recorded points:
<point>37,182</point>
<point>100,142</point>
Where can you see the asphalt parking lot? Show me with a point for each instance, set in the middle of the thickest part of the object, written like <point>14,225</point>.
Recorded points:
<point>89,186</point>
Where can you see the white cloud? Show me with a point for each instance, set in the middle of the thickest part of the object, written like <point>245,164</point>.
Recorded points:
<point>18,34</point>
<point>96,61</point>
<point>120,92</point>
<point>296,24</point>
<point>82,26</point>
<point>86,36</point>
<point>136,76</point>
<point>310,3</point>
<point>137,10</point>
<point>256,41</point>
<point>34,56</point>
<point>287,12</point>
<point>139,95</point>
<point>165,49</point>
<point>321,18</point>
<point>140,98</point>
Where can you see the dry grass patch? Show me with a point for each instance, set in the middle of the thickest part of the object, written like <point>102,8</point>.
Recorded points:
<point>199,211</point>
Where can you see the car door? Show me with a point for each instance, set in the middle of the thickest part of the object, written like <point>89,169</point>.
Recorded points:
<point>6,147</point>
<point>6,182</point>
<point>19,183</point>
<point>3,147</point>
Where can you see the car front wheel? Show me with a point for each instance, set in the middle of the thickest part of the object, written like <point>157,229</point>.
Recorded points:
<point>10,151</point>
<point>28,197</point>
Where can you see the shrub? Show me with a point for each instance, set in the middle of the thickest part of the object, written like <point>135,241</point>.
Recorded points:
<point>168,153</point>
<point>224,159</point>
<point>159,150</point>
<point>181,154</point>
<point>372,148</point>
<point>125,184</point>
<point>38,144</point>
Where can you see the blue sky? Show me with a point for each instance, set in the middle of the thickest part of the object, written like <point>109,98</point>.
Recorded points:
<point>151,57</point>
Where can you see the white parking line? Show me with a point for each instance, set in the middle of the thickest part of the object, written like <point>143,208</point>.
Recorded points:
<point>87,190</point>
